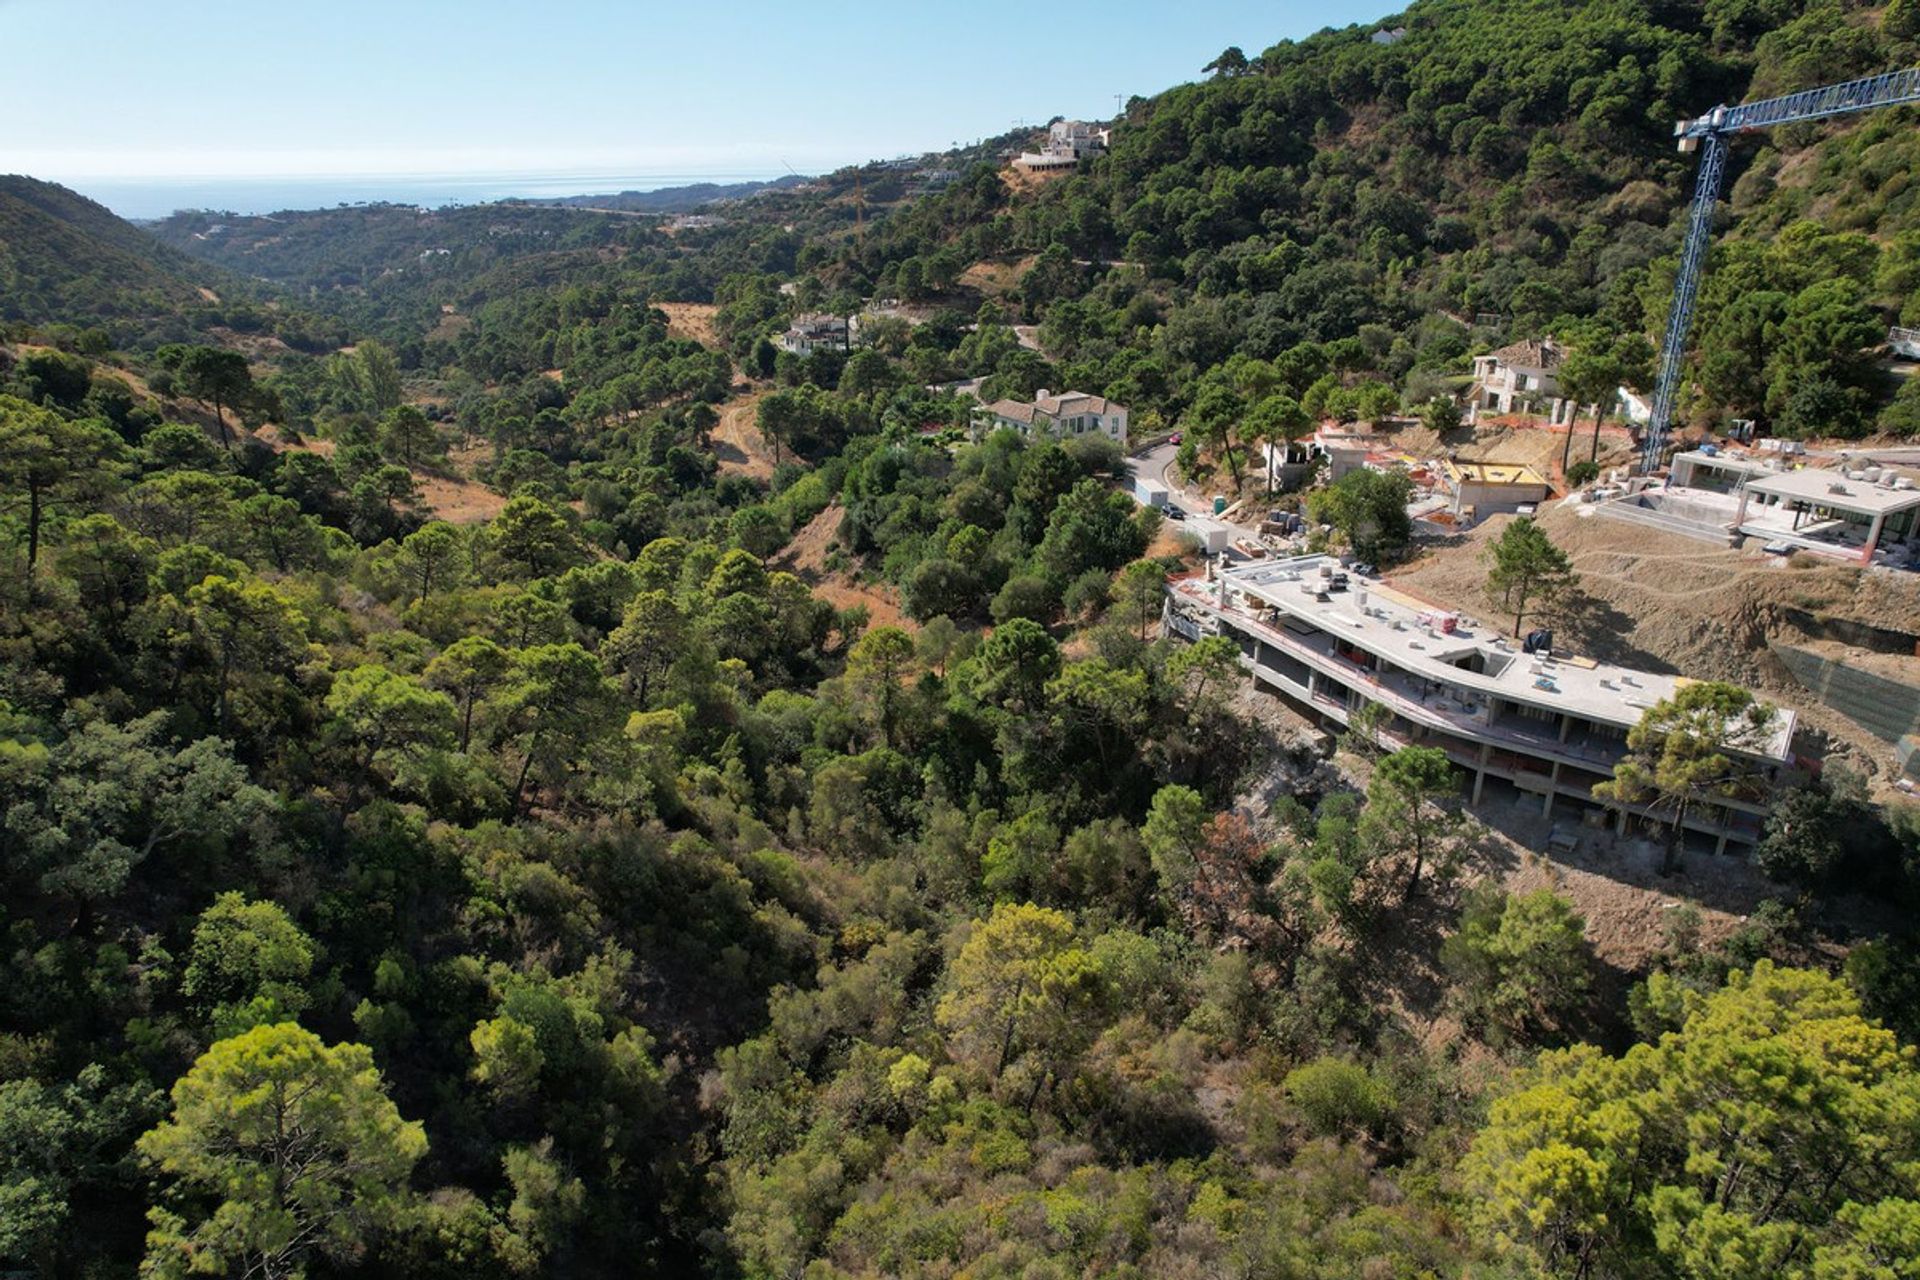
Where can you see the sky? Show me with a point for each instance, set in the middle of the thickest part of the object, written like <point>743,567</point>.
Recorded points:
<point>106,92</point>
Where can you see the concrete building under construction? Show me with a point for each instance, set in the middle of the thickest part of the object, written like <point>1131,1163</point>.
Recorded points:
<point>1865,513</point>
<point>1543,726</point>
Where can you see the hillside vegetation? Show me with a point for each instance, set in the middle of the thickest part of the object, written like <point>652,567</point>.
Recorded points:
<point>1503,171</point>
<point>573,889</point>
<point>64,257</point>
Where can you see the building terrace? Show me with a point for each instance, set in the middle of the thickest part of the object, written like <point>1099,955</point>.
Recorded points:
<point>1862,512</point>
<point>1550,725</point>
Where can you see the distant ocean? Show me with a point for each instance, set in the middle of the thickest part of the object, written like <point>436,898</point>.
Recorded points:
<point>158,197</point>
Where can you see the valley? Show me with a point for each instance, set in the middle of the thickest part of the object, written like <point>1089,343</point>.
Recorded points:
<point>1160,695</point>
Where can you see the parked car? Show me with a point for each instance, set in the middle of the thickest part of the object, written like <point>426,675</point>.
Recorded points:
<point>1363,568</point>
<point>1175,513</point>
<point>1175,438</point>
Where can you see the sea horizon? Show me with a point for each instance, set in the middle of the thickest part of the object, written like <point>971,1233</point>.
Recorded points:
<point>149,198</point>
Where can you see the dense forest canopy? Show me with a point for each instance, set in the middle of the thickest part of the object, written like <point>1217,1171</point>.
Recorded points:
<point>566,886</point>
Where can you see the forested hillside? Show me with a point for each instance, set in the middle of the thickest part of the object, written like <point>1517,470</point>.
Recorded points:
<point>69,264</point>
<point>1504,170</point>
<point>1510,159</point>
<point>574,876</point>
<point>63,257</point>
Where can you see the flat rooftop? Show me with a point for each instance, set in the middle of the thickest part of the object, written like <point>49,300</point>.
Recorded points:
<point>1491,473</point>
<point>1408,634</point>
<point>1744,463</point>
<point>1835,490</point>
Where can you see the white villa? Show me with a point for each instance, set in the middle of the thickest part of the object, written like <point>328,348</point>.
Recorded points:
<point>816,332</point>
<point>1504,380</point>
<point>1070,413</point>
<point>1068,142</point>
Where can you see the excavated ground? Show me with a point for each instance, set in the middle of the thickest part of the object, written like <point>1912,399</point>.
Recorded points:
<point>1658,600</point>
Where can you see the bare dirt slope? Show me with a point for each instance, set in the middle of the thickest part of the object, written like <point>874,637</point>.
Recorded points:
<point>1670,603</point>
<point>691,320</point>
<point>448,496</point>
<point>805,556</point>
<point>995,279</point>
<point>738,446</point>
<point>1512,440</point>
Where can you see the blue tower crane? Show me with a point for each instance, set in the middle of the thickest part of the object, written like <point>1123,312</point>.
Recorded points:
<point>1711,134</point>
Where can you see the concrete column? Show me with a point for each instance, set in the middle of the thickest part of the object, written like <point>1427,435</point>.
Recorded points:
<point>1479,781</point>
<point>1740,515</point>
<point>1873,539</point>
<point>1566,726</point>
<point>1553,783</point>
<point>1620,822</point>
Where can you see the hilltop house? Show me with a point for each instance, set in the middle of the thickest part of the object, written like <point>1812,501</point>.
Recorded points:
<point>1505,380</point>
<point>1070,413</point>
<point>1068,142</point>
<point>817,332</point>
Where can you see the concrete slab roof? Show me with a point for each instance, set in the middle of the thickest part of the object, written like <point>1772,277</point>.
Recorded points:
<point>1491,473</point>
<point>1745,463</point>
<point>1833,489</point>
<point>1407,633</point>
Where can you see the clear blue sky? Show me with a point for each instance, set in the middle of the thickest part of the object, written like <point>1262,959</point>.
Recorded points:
<point>170,88</point>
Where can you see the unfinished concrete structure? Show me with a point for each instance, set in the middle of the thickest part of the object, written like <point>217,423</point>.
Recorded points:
<point>1845,509</point>
<point>1477,490</point>
<point>1542,726</point>
<point>1860,511</point>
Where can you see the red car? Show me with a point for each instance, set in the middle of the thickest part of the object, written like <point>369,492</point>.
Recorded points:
<point>1174,438</point>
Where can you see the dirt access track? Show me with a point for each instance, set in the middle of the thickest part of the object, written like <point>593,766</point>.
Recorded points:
<point>738,447</point>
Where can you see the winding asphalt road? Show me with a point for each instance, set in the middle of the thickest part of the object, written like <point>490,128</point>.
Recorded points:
<point>1156,463</point>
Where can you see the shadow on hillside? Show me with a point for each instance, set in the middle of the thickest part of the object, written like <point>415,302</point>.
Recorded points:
<point>1590,626</point>
<point>1401,958</point>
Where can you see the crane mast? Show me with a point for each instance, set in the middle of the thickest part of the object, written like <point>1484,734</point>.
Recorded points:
<point>1711,134</point>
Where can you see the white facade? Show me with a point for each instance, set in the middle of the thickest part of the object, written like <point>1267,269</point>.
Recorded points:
<point>1068,142</point>
<point>1514,374</point>
<point>811,333</point>
<point>1062,416</point>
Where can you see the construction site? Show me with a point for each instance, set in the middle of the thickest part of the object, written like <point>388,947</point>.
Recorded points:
<point>1790,568</point>
<point>1672,577</point>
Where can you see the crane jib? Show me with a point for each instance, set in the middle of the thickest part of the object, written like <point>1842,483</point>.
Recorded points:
<point>1889,89</point>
